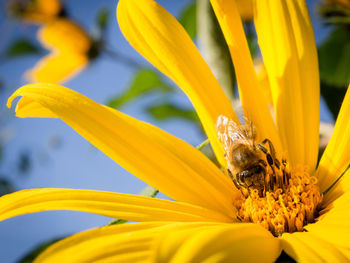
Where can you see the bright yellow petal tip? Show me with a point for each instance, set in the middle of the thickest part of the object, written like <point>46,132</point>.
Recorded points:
<point>161,39</point>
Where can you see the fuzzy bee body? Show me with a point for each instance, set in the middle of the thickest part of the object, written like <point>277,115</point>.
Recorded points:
<point>246,161</point>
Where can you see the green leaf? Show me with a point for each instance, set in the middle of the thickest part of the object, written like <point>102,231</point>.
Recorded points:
<point>145,81</point>
<point>6,187</point>
<point>333,97</point>
<point>21,47</point>
<point>30,256</point>
<point>334,58</point>
<point>167,110</point>
<point>102,18</point>
<point>117,222</point>
<point>188,19</point>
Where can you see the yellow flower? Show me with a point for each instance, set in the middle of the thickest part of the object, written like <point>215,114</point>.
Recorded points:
<point>36,11</point>
<point>69,45</point>
<point>202,224</point>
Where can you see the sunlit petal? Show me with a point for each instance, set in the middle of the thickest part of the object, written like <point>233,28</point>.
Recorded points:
<point>305,247</point>
<point>156,157</point>
<point>254,102</point>
<point>128,207</point>
<point>29,108</point>
<point>288,47</point>
<point>160,38</point>
<point>122,243</point>
<point>334,223</point>
<point>119,243</point>
<point>341,187</point>
<point>57,67</point>
<point>263,80</point>
<point>222,243</point>
<point>336,157</point>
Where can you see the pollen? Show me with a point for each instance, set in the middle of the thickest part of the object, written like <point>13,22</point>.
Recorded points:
<point>288,207</point>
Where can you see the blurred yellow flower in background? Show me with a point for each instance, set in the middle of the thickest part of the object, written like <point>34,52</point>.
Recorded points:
<point>203,224</point>
<point>36,11</point>
<point>69,45</point>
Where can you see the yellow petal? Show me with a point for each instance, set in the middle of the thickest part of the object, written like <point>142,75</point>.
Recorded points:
<point>263,80</point>
<point>305,247</point>
<point>28,108</point>
<point>288,47</point>
<point>64,35</point>
<point>163,161</point>
<point>336,157</point>
<point>222,243</point>
<point>253,100</point>
<point>341,187</point>
<point>160,38</point>
<point>334,223</point>
<point>128,207</point>
<point>118,243</point>
<point>57,67</point>
<point>122,243</point>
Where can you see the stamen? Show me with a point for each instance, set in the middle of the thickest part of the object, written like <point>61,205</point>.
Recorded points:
<point>291,202</point>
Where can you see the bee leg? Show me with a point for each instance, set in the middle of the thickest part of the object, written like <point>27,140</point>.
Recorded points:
<point>248,190</point>
<point>272,152</point>
<point>234,180</point>
<point>230,174</point>
<point>266,180</point>
<point>266,184</point>
<point>243,194</point>
<point>268,155</point>
<point>238,182</point>
<point>284,162</point>
<point>270,160</point>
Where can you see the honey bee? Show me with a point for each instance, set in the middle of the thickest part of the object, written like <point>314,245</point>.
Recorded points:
<point>247,161</point>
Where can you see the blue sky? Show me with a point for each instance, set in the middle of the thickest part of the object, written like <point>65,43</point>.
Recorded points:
<point>75,164</point>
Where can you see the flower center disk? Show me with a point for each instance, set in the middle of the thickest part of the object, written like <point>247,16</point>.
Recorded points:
<point>283,209</point>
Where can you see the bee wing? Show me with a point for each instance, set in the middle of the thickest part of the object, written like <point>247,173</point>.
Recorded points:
<point>240,133</point>
<point>250,128</point>
<point>231,133</point>
<point>221,125</point>
<point>222,130</point>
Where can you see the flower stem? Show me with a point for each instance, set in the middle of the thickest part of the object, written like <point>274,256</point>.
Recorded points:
<point>119,57</point>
